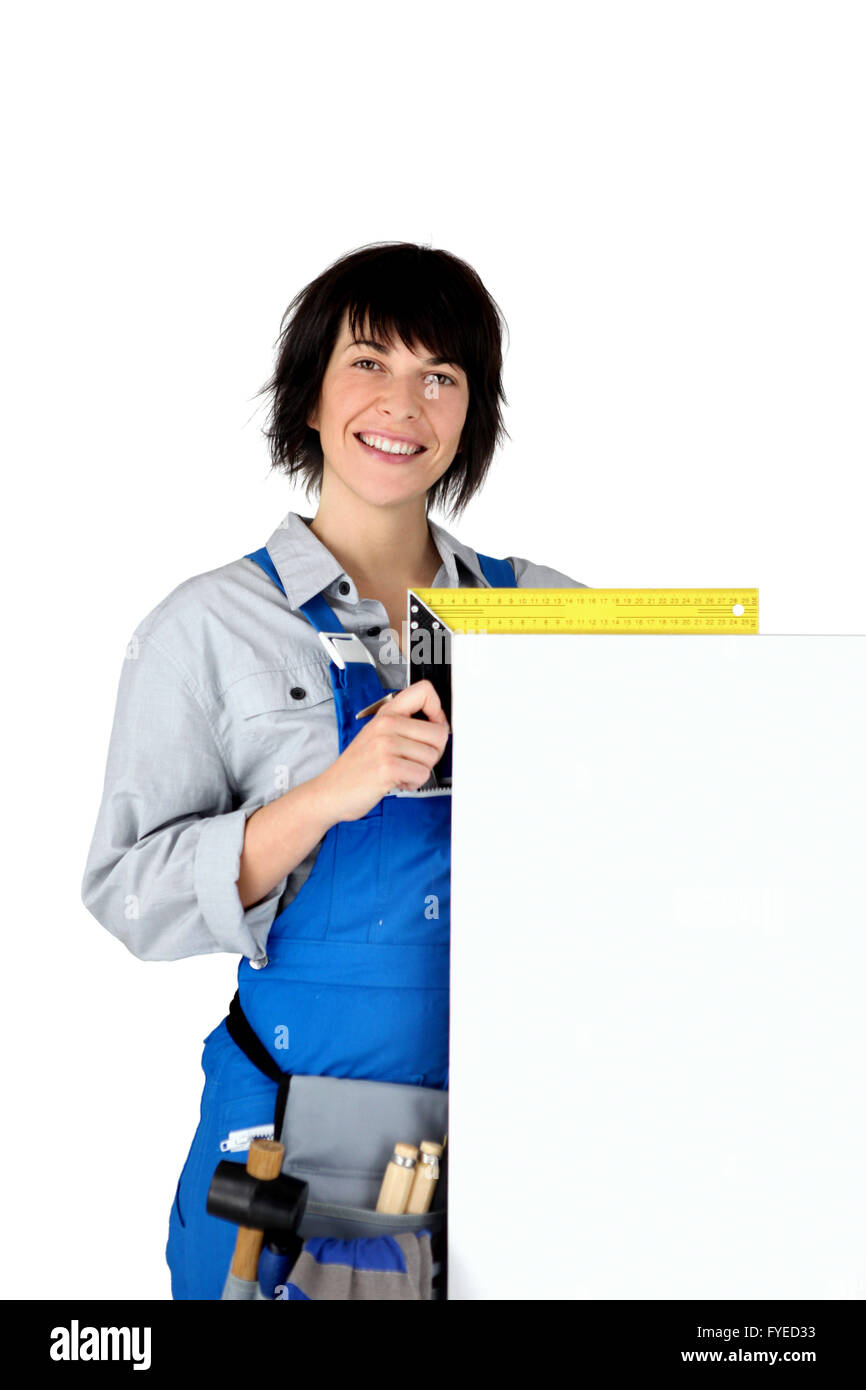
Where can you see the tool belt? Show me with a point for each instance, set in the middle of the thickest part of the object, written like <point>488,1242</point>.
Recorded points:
<point>339,1134</point>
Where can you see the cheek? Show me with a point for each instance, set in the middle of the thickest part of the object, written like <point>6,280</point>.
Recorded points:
<point>453,415</point>
<point>344,401</point>
<point>448,410</point>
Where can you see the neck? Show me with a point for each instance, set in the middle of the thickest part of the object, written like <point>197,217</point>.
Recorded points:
<point>378,546</point>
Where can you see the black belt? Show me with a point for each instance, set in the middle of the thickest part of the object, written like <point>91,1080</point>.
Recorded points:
<point>239,1028</point>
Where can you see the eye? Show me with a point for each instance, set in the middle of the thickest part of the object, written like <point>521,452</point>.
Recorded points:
<point>443,377</point>
<point>366,362</point>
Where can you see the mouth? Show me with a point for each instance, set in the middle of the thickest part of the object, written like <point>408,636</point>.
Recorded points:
<point>394,452</point>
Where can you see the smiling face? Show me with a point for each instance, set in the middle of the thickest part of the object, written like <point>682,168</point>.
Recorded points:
<point>389,419</point>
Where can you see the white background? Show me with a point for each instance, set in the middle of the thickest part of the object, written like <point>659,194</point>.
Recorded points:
<point>666,201</point>
<point>658,966</point>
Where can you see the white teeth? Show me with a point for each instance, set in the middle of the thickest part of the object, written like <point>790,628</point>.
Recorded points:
<point>389,446</point>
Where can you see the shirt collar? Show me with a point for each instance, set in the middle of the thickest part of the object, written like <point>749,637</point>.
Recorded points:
<point>454,554</point>
<point>306,567</point>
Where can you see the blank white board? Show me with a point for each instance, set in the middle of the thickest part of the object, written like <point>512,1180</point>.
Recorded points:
<point>658,968</point>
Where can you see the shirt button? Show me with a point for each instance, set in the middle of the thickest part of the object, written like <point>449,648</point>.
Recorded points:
<point>297,692</point>
<point>344,587</point>
<point>373,631</point>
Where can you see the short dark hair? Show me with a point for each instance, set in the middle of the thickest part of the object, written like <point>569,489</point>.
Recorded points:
<point>398,289</point>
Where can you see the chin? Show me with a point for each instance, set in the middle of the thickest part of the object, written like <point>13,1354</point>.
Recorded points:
<point>387,496</point>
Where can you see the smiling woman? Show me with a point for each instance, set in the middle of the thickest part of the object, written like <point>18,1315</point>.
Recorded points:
<point>264,799</point>
<point>392,315</point>
<point>362,405</point>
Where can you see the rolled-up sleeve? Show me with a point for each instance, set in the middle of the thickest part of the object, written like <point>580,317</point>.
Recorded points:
<point>162,869</point>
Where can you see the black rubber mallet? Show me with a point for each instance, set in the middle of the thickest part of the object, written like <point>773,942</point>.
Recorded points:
<point>262,1201</point>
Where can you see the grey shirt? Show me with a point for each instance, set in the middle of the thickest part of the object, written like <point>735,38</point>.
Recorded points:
<point>224,703</point>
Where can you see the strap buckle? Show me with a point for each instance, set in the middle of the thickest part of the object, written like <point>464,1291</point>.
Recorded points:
<point>350,648</point>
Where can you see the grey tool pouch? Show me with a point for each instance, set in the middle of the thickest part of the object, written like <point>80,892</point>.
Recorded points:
<point>339,1134</point>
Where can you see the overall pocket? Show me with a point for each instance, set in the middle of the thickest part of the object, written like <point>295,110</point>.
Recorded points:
<point>416,854</point>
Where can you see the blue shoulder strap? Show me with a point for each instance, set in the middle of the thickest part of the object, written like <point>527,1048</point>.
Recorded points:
<point>262,557</point>
<point>316,609</point>
<point>498,573</point>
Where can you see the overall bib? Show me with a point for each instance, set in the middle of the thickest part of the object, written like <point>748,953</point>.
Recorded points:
<point>355,984</point>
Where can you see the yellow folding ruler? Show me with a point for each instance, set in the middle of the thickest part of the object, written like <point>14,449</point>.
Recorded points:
<point>691,611</point>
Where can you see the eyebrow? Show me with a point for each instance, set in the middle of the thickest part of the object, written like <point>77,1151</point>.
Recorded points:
<point>380,347</point>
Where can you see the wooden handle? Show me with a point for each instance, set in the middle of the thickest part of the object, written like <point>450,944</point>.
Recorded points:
<point>397,1182</point>
<point>265,1161</point>
<point>426,1178</point>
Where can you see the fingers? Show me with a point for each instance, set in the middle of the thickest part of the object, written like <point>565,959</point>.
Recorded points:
<point>420,696</point>
<point>414,751</point>
<point>432,735</point>
<point>408,776</point>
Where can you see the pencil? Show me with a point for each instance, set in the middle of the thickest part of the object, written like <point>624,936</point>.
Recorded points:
<point>377,704</point>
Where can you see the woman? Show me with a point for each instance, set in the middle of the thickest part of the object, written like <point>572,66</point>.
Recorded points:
<point>236,755</point>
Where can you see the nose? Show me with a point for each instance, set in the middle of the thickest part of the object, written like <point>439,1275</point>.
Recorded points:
<point>401,399</point>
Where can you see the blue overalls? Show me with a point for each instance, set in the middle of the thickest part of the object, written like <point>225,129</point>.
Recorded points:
<point>356,982</point>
